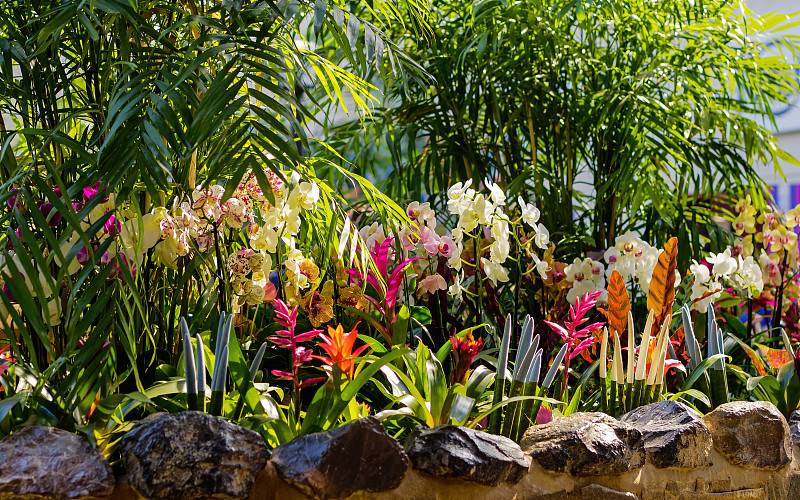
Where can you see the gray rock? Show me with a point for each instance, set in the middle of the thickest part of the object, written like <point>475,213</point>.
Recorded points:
<point>674,434</point>
<point>192,455</point>
<point>752,434</point>
<point>462,453</point>
<point>585,444</point>
<point>359,456</point>
<point>51,463</point>
<point>794,427</point>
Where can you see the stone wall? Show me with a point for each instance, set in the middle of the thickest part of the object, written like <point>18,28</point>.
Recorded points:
<point>741,450</point>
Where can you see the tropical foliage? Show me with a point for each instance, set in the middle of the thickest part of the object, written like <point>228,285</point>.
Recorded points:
<point>188,223</point>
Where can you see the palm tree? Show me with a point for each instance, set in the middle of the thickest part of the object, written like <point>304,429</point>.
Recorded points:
<point>152,99</point>
<point>612,115</point>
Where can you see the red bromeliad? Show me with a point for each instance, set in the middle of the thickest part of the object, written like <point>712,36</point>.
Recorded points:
<point>288,339</point>
<point>339,346</point>
<point>571,335</point>
<point>464,351</point>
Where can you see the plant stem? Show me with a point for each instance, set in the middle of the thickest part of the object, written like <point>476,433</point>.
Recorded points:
<point>564,389</point>
<point>526,412</point>
<point>513,409</point>
<point>496,416</point>
<point>612,404</point>
<point>221,283</point>
<point>603,395</point>
<point>478,278</point>
<point>776,313</point>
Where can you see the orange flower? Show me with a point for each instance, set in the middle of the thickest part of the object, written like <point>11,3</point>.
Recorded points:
<point>339,346</point>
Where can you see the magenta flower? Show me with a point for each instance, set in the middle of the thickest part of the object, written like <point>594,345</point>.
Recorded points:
<point>12,201</point>
<point>7,290</point>
<point>571,335</point>
<point>83,254</point>
<point>117,262</point>
<point>90,192</point>
<point>446,246</point>
<point>45,208</point>
<point>545,416</point>
<point>112,227</point>
<point>18,233</point>
<point>393,281</point>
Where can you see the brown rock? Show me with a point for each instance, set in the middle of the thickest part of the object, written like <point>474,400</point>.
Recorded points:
<point>359,456</point>
<point>585,444</point>
<point>51,463</point>
<point>751,434</point>
<point>191,455</point>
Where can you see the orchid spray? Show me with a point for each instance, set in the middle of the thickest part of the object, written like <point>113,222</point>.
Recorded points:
<point>288,339</point>
<point>572,336</point>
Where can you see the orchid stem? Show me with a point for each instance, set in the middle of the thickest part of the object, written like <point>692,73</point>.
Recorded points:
<point>478,278</point>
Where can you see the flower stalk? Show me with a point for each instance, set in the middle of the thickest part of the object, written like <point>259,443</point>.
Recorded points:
<point>289,339</point>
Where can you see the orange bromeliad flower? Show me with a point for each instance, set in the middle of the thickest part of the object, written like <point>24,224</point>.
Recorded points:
<point>339,346</point>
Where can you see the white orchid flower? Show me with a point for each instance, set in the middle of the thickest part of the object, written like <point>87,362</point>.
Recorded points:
<point>530,214</point>
<point>494,271</point>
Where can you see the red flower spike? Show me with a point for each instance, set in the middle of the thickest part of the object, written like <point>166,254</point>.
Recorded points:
<point>569,332</point>
<point>464,351</point>
<point>572,336</point>
<point>288,339</point>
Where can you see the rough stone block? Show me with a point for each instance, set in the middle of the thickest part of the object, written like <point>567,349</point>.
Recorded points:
<point>751,434</point>
<point>674,434</point>
<point>45,462</point>
<point>468,454</point>
<point>192,455</point>
<point>585,444</point>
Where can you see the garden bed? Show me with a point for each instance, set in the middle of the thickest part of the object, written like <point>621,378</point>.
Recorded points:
<point>558,276</point>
